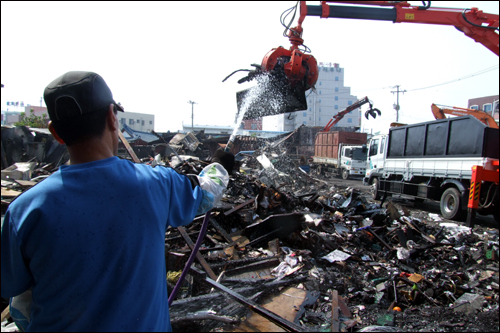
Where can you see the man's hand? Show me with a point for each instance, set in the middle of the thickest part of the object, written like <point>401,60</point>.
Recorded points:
<point>226,159</point>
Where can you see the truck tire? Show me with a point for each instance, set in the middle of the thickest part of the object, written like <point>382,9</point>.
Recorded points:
<point>318,170</point>
<point>375,189</point>
<point>451,206</point>
<point>345,174</point>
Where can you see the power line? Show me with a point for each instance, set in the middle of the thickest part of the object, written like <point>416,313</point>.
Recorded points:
<point>462,78</point>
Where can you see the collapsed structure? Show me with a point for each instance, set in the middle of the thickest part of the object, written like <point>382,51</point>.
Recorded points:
<point>289,251</point>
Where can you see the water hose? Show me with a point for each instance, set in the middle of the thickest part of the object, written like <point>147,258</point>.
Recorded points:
<point>197,245</point>
<point>230,143</point>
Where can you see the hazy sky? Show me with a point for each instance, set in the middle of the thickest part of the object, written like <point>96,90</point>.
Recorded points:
<point>156,56</point>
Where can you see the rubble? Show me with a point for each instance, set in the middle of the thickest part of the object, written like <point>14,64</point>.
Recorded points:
<point>310,254</point>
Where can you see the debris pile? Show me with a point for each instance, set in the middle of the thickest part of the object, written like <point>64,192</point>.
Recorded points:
<point>288,251</point>
<point>281,235</point>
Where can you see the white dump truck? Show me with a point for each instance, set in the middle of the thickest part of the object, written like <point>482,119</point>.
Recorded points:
<point>454,161</point>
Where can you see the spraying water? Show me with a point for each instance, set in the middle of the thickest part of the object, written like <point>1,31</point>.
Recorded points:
<point>254,94</point>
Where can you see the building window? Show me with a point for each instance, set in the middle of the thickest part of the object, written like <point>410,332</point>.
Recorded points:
<point>320,92</point>
<point>336,98</point>
<point>336,106</point>
<point>319,109</point>
<point>336,89</point>
<point>309,118</point>
<point>138,121</point>
<point>142,123</point>
<point>349,102</point>
<point>310,109</point>
<point>487,107</point>
<point>131,121</point>
<point>349,120</point>
<point>319,118</point>
<point>320,100</point>
<point>319,82</point>
<point>474,107</point>
<point>304,114</point>
<point>150,122</point>
<point>336,78</point>
<point>254,126</point>
<point>305,122</point>
<point>122,121</point>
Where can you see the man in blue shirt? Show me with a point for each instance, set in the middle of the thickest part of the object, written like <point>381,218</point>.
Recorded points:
<point>84,249</point>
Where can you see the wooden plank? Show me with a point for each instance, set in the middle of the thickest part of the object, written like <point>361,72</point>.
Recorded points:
<point>221,230</point>
<point>335,311</point>
<point>200,258</point>
<point>127,146</point>
<point>5,314</point>
<point>343,307</point>
<point>25,183</point>
<point>8,193</point>
<point>283,305</point>
<point>239,207</point>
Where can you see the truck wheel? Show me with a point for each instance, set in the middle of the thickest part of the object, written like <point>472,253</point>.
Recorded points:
<point>345,174</point>
<point>451,205</point>
<point>375,189</point>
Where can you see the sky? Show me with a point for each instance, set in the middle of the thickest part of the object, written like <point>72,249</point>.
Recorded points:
<point>157,56</point>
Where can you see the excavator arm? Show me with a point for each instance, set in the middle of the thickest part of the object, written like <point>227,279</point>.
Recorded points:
<point>439,112</point>
<point>336,118</point>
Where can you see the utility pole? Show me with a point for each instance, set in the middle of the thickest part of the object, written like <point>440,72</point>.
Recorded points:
<point>396,107</point>
<point>192,114</point>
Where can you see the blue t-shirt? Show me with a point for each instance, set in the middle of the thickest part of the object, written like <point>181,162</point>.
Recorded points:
<point>89,241</point>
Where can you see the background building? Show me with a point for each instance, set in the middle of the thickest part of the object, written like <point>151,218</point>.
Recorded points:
<point>330,97</point>
<point>137,121</point>
<point>488,104</point>
<point>11,117</point>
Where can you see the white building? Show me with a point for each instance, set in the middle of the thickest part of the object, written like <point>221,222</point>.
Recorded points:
<point>330,97</point>
<point>137,121</point>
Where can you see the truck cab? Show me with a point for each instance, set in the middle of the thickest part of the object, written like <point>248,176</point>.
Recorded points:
<point>377,147</point>
<point>353,161</point>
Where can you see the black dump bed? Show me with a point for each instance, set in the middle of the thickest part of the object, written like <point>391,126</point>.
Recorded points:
<point>453,137</point>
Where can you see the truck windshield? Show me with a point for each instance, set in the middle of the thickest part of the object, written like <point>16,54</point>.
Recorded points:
<point>358,154</point>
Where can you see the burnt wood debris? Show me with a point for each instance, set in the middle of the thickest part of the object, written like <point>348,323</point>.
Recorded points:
<point>288,250</point>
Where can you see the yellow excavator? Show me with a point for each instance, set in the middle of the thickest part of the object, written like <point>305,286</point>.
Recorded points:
<point>440,112</point>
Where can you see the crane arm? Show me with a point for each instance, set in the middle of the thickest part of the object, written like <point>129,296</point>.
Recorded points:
<point>439,113</point>
<point>482,27</point>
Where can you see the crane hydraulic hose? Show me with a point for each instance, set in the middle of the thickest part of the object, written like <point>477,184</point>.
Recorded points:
<point>197,245</point>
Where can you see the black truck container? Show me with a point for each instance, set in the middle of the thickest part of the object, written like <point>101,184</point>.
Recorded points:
<point>453,137</point>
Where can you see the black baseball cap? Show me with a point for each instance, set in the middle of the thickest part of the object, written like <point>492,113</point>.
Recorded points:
<point>87,89</point>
